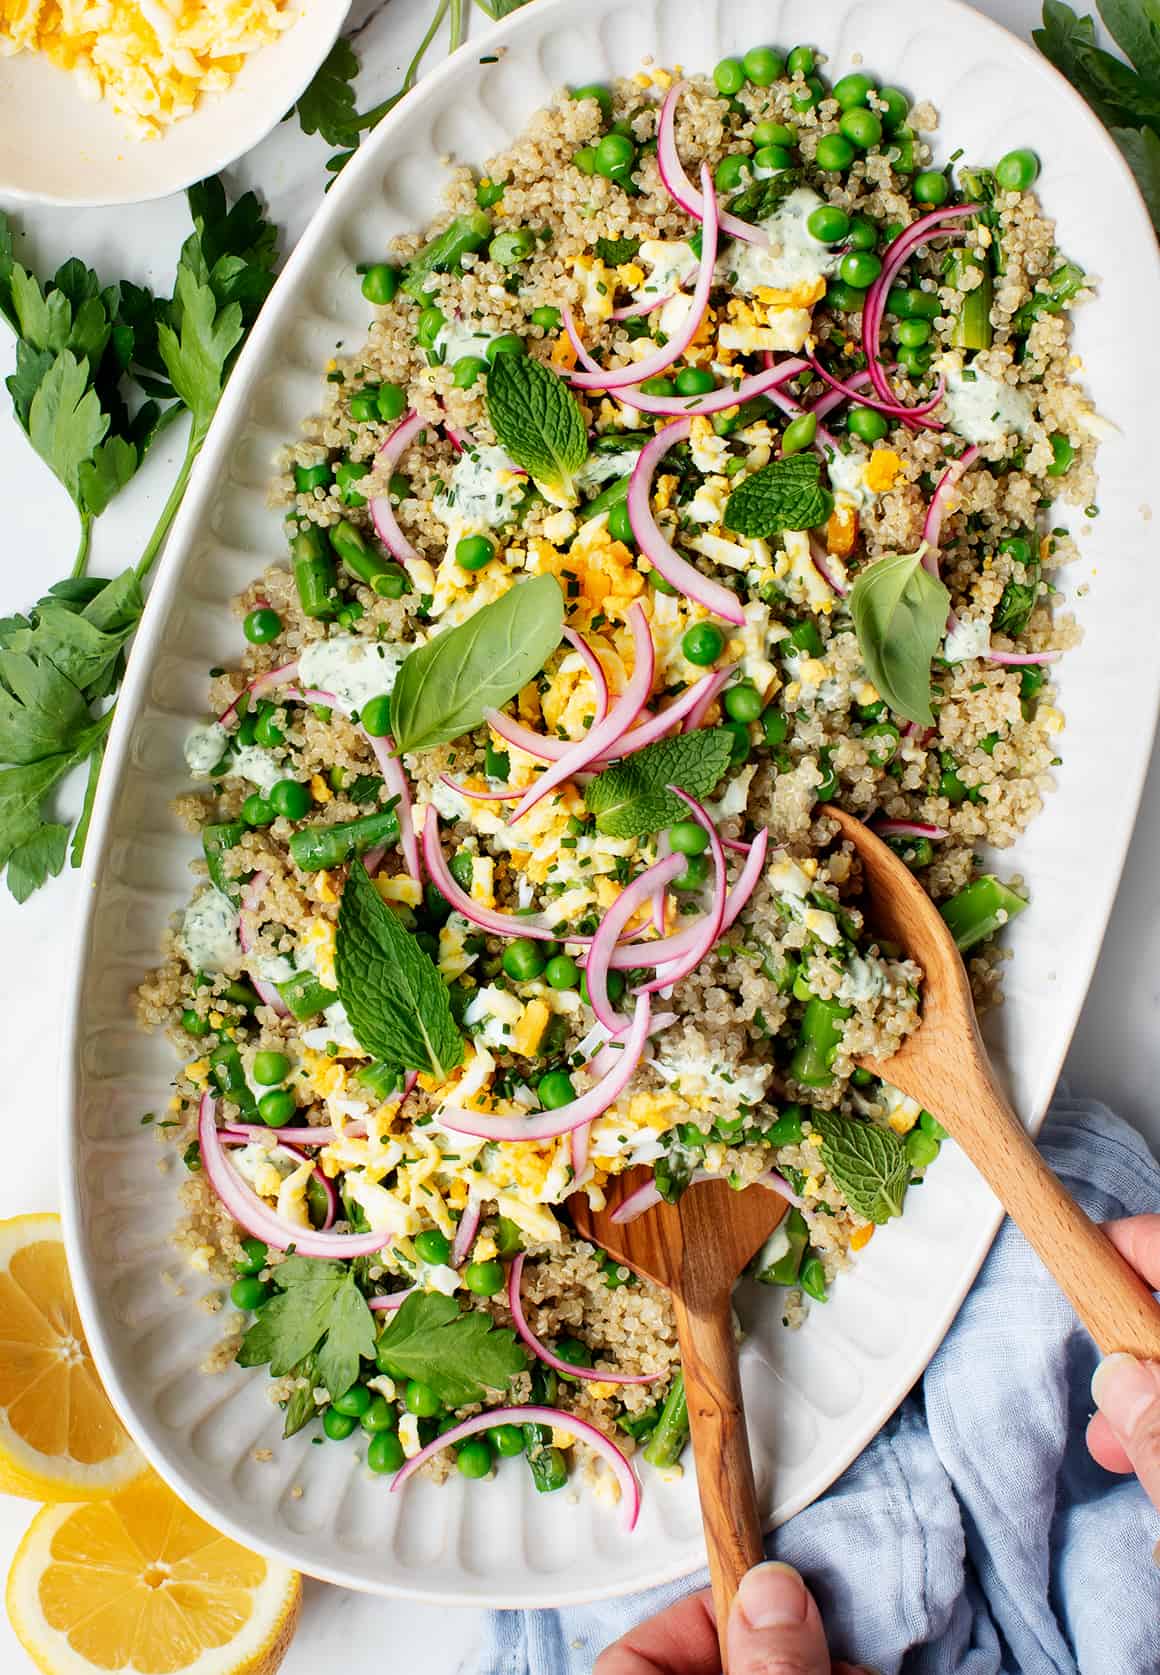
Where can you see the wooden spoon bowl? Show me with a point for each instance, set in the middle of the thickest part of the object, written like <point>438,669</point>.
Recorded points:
<point>696,1248</point>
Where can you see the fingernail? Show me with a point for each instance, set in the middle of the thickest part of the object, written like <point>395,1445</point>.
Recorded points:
<point>1124,1389</point>
<point>773,1595</point>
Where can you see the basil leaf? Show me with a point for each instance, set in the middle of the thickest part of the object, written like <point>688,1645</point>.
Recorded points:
<point>629,799</point>
<point>614,251</point>
<point>785,494</point>
<point>868,1163</point>
<point>759,200</point>
<point>393,995</point>
<point>900,612</point>
<point>537,419</point>
<point>444,687</point>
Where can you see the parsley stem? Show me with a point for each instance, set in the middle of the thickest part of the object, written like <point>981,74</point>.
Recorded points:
<point>81,830</point>
<point>370,118</point>
<point>169,511</point>
<point>456,25</point>
<point>81,561</point>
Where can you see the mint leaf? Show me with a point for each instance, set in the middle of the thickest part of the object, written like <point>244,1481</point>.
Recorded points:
<point>868,1164</point>
<point>394,996</point>
<point>317,1308</point>
<point>762,198</point>
<point>629,799</point>
<point>445,687</point>
<point>614,251</point>
<point>537,419</point>
<point>785,494</point>
<point>461,1356</point>
<point>900,613</point>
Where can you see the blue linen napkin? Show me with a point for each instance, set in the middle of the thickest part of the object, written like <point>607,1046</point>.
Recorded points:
<point>974,1535</point>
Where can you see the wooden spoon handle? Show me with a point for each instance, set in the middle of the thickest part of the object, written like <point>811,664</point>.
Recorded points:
<point>721,1445</point>
<point>1106,1293</point>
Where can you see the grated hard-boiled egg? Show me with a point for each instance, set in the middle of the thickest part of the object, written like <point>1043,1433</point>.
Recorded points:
<point>597,287</point>
<point>799,576</point>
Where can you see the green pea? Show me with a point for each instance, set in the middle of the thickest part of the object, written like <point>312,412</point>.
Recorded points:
<point>703,643</point>
<point>885,737</point>
<point>248,1292</point>
<point>513,245</point>
<point>379,1416</point>
<point>921,1148</point>
<point>523,959</point>
<point>1062,454</point>
<point>262,625</point>
<point>897,108</point>
<point>696,871</point>
<point>688,838</point>
<point>555,1089</point>
<point>774,158</point>
<point>1017,547</point>
<point>916,362</point>
<point>467,370</point>
<point>593,90</point>
<point>576,1354</point>
<point>507,343</point>
<point>338,1426</point>
<point>497,764</point>
<point>912,334</point>
<point>474,1457</point>
<point>834,152</point>
<point>861,127</point>
<point>804,98</point>
<point>392,582</point>
<point>547,317</point>
<point>829,224</point>
<point>800,61</point>
<point>775,133</point>
<point>931,187</point>
<point>658,386</point>
<point>739,750</point>
<point>763,66</point>
<point>375,715</point>
<point>420,1399</point>
<point>277,1107</point>
<point>863,233</point>
<point>256,811</point>
<point>347,473</point>
<point>849,298</point>
<point>353,1402</point>
<point>399,487</point>
<point>385,1452</point>
<point>860,268</point>
<point>307,478</point>
<point>775,726</point>
<point>270,1069</point>
<point>290,798</point>
<point>731,172</point>
<point>193,1023</point>
<point>852,90</point>
<point>380,283</point>
<point>695,380</point>
<point>363,407</point>
<point>473,552</point>
<point>615,155</point>
<point>254,1257</point>
<point>743,703</point>
<point>1016,171</point>
<point>866,424</point>
<point>729,76</point>
<point>585,159</point>
<point>484,1279</point>
<point>661,583</point>
<point>562,972</point>
<point>614,983</point>
<point>433,1246</point>
<point>391,402</point>
<point>931,1125</point>
<point>431,322</point>
<point>923,305</point>
<point>461,868</point>
<point>620,524</point>
<point>508,1441</point>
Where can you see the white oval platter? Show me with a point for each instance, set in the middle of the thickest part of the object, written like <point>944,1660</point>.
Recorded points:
<point>816,1396</point>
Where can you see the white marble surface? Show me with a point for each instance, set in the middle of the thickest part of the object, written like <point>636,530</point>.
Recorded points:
<point>1115,1054</point>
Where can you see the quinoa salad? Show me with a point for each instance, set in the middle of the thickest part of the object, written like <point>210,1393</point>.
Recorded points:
<point>697,471</point>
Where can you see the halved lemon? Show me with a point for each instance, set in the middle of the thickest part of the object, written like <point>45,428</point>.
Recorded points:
<point>141,1584</point>
<point>59,1437</point>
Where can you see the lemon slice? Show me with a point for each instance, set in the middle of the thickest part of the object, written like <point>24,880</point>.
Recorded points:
<point>59,1437</point>
<point>140,1583</point>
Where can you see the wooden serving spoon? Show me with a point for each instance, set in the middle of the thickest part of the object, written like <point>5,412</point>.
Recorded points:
<point>696,1248</point>
<point>944,1065</point>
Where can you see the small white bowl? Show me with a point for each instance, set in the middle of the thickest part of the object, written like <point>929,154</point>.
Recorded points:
<point>57,147</point>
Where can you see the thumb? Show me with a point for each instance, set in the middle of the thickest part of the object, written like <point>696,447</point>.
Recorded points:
<point>1127,1393</point>
<point>774,1626</point>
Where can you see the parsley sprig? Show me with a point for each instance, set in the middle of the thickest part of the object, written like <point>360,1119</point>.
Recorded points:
<point>101,370</point>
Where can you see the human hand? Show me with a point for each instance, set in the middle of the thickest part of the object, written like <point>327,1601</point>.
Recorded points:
<point>774,1625</point>
<point>1125,1434</point>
